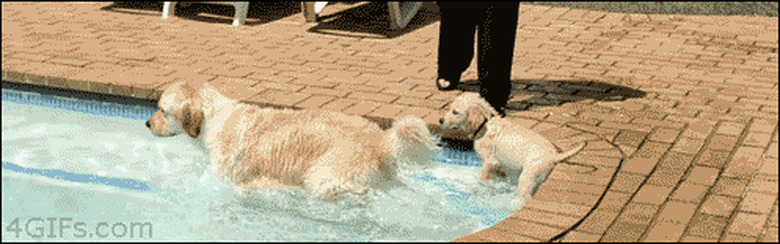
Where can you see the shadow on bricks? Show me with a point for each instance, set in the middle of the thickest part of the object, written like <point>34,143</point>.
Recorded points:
<point>370,20</point>
<point>133,7</point>
<point>687,8</point>
<point>258,12</point>
<point>528,94</point>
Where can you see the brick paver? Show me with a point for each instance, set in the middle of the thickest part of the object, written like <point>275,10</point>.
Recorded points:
<point>681,109</point>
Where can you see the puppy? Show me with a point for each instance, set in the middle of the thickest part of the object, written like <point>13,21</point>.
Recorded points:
<point>329,153</point>
<point>508,151</point>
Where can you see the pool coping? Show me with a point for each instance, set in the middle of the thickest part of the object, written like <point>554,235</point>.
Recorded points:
<point>537,221</point>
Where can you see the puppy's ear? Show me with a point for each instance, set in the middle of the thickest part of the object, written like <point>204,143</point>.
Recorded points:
<point>474,117</point>
<point>192,118</point>
<point>486,109</point>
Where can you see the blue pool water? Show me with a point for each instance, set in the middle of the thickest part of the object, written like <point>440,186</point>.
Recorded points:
<point>77,169</point>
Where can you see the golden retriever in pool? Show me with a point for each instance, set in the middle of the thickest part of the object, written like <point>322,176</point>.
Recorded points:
<point>508,151</point>
<point>329,153</point>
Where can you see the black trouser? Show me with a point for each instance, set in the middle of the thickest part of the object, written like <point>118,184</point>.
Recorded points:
<point>497,24</point>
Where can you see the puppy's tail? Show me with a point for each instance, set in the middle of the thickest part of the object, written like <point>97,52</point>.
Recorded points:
<point>410,141</point>
<point>564,155</point>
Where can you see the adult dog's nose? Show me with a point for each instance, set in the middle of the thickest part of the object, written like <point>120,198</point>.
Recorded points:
<point>148,125</point>
<point>441,121</point>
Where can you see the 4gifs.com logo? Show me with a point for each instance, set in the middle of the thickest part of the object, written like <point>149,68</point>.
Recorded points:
<point>67,228</point>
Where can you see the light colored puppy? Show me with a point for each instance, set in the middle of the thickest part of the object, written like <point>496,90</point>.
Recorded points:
<point>508,151</point>
<point>329,153</point>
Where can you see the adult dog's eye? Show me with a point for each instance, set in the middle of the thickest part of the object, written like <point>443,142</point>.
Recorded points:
<point>455,112</point>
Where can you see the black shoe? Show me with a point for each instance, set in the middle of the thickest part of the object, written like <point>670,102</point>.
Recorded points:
<point>501,112</point>
<point>446,85</point>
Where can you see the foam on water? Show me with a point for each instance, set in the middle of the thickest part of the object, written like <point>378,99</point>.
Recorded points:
<point>187,201</point>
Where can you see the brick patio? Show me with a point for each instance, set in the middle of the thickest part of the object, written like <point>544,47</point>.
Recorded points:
<point>682,109</point>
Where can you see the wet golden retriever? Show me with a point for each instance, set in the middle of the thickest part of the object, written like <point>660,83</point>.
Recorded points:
<point>508,151</point>
<point>329,153</point>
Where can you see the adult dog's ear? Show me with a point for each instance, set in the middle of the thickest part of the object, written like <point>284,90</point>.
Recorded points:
<point>192,119</point>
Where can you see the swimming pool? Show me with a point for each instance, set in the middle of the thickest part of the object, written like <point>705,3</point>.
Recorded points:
<point>91,170</point>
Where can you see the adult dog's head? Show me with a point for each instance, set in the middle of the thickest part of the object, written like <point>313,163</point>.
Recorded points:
<point>179,111</point>
<point>467,113</point>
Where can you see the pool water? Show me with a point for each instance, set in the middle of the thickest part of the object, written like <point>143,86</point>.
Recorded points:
<point>96,167</point>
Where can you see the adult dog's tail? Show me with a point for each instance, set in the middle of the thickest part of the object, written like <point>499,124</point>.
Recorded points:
<point>409,141</point>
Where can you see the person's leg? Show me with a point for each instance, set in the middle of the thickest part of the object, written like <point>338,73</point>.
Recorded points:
<point>496,47</point>
<point>456,39</point>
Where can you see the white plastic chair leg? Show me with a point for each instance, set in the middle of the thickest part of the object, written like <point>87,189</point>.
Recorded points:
<point>240,16</point>
<point>402,13</point>
<point>399,13</point>
<point>168,9</point>
<point>319,5</point>
<point>311,9</point>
